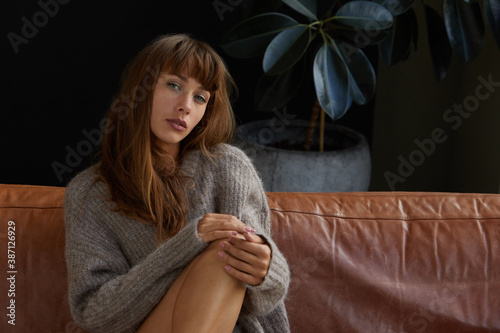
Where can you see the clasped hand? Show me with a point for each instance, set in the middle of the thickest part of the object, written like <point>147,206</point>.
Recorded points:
<point>246,255</point>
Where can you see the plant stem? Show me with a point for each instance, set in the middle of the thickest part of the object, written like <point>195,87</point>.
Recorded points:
<point>322,131</point>
<point>312,124</point>
<point>311,25</point>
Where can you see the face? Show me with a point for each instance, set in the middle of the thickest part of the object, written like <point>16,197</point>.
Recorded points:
<point>179,103</point>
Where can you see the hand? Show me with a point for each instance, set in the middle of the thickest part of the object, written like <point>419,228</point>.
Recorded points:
<point>219,226</point>
<point>246,259</point>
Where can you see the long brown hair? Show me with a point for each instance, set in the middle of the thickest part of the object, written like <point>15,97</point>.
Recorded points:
<point>132,166</point>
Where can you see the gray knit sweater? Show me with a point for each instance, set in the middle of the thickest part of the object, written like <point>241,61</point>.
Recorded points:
<point>116,272</point>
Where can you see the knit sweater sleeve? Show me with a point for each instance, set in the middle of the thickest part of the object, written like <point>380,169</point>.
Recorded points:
<point>241,194</point>
<point>106,293</point>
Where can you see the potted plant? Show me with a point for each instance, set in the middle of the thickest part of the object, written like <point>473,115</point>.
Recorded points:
<point>331,43</point>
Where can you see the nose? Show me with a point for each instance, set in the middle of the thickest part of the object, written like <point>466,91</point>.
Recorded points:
<point>184,104</point>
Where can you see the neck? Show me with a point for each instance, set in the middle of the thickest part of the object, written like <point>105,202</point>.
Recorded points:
<point>172,151</point>
<point>169,156</point>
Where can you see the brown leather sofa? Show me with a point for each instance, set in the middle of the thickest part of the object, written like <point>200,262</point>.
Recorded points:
<point>360,262</point>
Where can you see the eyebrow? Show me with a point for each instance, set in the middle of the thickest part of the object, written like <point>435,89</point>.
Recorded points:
<point>185,80</point>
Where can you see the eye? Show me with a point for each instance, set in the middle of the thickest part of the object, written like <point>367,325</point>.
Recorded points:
<point>200,98</point>
<point>174,85</point>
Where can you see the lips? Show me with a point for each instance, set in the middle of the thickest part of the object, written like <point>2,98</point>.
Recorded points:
<point>178,124</point>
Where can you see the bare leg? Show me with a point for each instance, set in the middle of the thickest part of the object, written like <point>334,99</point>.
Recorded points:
<point>204,298</point>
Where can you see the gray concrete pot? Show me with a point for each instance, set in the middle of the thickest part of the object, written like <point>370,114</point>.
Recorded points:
<point>343,170</point>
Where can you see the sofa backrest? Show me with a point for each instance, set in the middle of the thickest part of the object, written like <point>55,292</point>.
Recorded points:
<point>360,262</point>
<point>391,262</point>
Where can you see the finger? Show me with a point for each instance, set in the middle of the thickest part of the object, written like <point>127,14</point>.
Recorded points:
<point>257,255</point>
<point>214,221</point>
<point>251,243</point>
<point>241,270</point>
<point>251,237</point>
<point>212,227</point>
<point>239,254</point>
<point>242,276</point>
<point>218,235</point>
<point>215,226</point>
<point>217,215</point>
<point>237,263</point>
<point>211,236</point>
<point>223,223</point>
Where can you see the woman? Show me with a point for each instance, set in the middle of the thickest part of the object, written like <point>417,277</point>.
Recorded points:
<point>170,231</point>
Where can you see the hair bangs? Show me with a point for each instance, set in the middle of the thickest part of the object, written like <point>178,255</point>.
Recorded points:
<point>197,61</point>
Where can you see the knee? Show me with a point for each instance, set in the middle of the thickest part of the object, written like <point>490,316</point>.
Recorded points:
<point>212,248</point>
<point>209,255</point>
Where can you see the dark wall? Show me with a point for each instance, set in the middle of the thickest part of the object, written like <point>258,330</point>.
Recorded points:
<point>61,65</point>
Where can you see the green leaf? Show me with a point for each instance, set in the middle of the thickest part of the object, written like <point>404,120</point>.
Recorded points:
<point>363,22</point>
<point>277,90</point>
<point>492,13</point>
<point>439,44</point>
<point>362,79</point>
<point>361,38</point>
<point>251,37</point>
<point>397,46</point>
<point>396,7</point>
<point>465,28</point>
<point>364,15</point>
<point>305,7</point>
<point>331,81</point>
<point>286,49</point>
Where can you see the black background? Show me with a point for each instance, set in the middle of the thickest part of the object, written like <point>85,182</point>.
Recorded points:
<point>61,82</point>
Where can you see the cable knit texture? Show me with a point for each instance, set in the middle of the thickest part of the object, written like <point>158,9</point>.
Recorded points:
<point>116,272</point>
